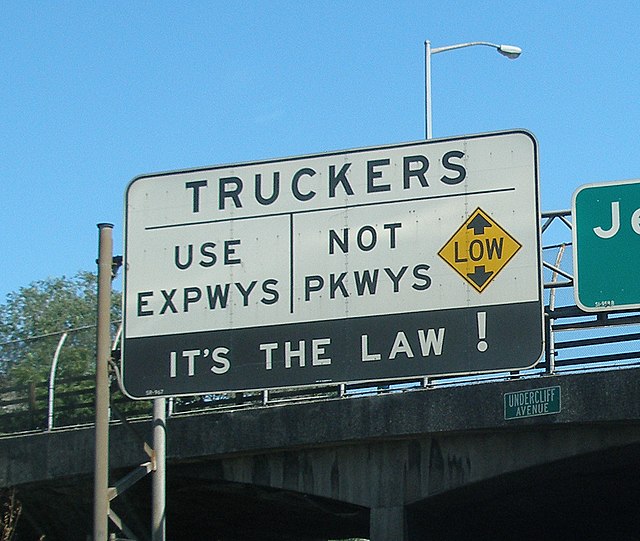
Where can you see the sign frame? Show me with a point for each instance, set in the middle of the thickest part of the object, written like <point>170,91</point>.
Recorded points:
<point>475,327</point>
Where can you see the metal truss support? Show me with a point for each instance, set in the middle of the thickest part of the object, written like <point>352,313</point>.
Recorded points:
<point>156,466</point>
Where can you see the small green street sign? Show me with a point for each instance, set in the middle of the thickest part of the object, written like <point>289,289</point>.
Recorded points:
<point>606,244</point>
<point>532,403</point>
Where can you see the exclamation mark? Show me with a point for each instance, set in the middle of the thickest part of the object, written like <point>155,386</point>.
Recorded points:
<point>482,331</point>
<point>172,367</point>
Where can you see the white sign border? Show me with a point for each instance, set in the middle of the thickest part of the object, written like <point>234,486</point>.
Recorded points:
<point>359,150</point>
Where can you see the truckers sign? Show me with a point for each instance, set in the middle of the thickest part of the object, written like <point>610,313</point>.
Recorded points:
<point>409,260</point>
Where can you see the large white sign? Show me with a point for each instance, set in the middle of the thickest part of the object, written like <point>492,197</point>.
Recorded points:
<point>346,266</point>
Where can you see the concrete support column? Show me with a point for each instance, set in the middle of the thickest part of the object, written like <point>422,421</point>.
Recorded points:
<point>388,524</point>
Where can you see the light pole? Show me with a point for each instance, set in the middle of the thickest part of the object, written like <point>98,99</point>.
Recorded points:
<point>510,51</point>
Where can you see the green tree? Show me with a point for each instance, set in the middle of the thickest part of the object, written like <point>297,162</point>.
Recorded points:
<point>32,320</point>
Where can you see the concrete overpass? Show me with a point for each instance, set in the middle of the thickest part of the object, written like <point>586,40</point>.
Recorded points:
<point>430,464</point>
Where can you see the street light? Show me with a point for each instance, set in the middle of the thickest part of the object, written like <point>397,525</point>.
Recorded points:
<point>510,51</point>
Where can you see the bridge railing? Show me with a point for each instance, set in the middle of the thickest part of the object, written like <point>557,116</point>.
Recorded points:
<point>575,341</point>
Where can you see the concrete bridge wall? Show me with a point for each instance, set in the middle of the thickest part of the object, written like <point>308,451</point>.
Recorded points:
<point>388,467</point>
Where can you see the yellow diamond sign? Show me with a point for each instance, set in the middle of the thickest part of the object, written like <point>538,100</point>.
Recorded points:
<point>479,250</point>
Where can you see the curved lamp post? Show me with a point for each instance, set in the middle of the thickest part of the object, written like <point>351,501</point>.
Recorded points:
<point>510,51</point>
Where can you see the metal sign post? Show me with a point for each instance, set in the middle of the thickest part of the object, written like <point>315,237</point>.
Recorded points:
<point>103,354</point>
<point>159,476</point>
<point>409,260</point>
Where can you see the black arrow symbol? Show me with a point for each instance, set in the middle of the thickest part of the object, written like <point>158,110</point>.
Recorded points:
<point>478,224</point>
<point>480,276</point>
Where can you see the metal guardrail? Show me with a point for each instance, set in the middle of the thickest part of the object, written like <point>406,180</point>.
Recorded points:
<point>575,341</point>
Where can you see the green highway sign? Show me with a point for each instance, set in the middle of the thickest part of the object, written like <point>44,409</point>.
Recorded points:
<point>532,403</point>
<point>606,244</point>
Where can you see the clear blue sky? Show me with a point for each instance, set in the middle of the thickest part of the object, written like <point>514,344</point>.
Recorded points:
<point>93,94</point>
